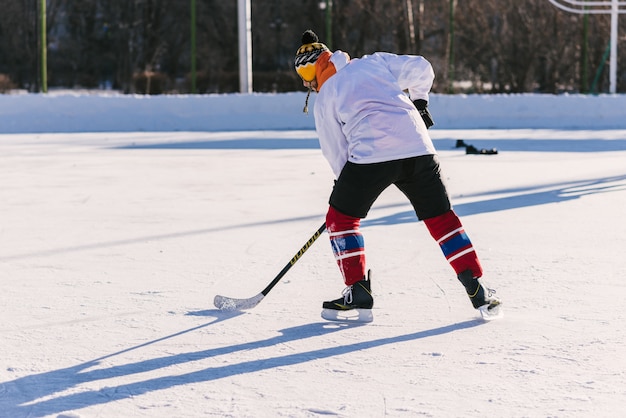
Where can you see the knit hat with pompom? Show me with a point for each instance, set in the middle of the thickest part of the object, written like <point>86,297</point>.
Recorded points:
<point>308,54</point>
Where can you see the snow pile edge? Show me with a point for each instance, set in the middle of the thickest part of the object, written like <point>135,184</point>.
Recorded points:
<point>83,112</point>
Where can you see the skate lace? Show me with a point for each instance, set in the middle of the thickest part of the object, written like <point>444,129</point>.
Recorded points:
<point>347,295</point>
<point>489,291</point>
<point>491,295</point>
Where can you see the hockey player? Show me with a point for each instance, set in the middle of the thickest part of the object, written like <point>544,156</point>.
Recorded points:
<point>374,135</point>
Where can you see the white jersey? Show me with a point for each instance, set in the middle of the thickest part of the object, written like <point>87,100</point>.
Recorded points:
<point>362,114</point>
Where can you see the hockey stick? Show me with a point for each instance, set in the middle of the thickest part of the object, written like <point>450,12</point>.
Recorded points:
<point>231,304</point>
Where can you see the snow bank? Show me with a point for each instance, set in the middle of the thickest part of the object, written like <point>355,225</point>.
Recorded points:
<point>80,112</point>
<point>529,111</point>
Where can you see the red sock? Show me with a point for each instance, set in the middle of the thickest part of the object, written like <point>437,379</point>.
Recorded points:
<point>456,246</point>
<point>348,245</point>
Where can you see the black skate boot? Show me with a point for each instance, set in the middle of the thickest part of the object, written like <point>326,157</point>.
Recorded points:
<point>482,297</point>
<point>355,304</point>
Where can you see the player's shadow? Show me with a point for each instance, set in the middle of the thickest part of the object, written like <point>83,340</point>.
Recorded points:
<point>36,395</point>
<point>517,198</point>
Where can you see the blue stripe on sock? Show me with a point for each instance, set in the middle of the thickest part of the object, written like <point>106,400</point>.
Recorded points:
<point>347,243</point>
<point>456,243</point>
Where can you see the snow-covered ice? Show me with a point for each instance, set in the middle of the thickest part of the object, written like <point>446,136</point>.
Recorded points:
<point>113,245</point>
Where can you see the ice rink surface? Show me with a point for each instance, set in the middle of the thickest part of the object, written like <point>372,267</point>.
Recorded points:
<point>113,245</point>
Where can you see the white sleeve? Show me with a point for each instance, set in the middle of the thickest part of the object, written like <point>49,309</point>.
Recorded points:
<point>413,72</point>
<point>332,139</point>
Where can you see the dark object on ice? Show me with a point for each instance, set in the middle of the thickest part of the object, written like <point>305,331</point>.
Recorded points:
<point>470,149</point>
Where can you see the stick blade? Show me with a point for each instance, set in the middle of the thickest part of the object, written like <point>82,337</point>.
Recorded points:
<point>224,303</point>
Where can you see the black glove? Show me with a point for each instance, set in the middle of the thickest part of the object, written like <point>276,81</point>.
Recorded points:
<point>422,107</point>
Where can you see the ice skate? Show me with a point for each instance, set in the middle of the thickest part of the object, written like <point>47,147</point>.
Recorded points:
<point>483,298</point>
<point>355,304</point>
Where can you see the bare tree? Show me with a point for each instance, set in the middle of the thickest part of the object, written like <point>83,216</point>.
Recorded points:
<point>144,45</point>
<point>18,41</point>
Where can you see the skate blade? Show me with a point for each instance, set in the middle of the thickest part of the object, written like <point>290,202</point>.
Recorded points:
<point>495,312</point>
<point>352,315</point>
